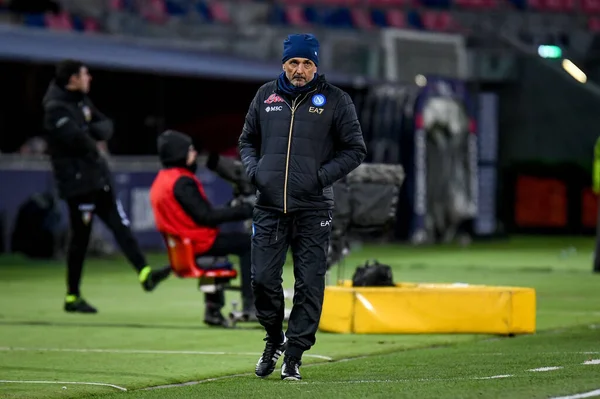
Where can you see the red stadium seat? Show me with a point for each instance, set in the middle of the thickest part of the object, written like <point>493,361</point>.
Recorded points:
<point>594,24</point>
<point>60,21</point>
<point>361,18</point>
<point>220,12</point>
<point>184,263</point>
<point>439,21</point>
<point>476,4</point>
<point>590,6</point>
<point>552,5</point>
<point>295,15</point>
<point>396,18</point>
<point>389,3</point>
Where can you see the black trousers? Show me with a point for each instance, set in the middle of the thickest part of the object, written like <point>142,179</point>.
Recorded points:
<point>233,244</point>
<point>81,214</point>
<point>308,233</point>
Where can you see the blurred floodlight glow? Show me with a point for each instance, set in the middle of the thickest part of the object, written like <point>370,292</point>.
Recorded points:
<point>574,71</point>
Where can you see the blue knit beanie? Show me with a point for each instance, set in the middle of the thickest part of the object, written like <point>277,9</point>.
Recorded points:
<point>302,46</point>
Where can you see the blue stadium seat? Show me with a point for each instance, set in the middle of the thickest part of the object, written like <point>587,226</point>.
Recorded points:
<point>443,4</point>
<point>204,11</point>
<point>277,15</point>
<point>519,4</point>
<point>378,17</point>
<point>35,20</point>
<point>414,19</point>
<point>338,18</point>
<point>78,24</point>
<point>177,8</point>
<point>312,15</point>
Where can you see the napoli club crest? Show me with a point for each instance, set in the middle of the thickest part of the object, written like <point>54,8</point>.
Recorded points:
<point>318,100</point>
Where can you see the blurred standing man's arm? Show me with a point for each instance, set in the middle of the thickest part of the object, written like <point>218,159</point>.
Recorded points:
<point>101,127</point>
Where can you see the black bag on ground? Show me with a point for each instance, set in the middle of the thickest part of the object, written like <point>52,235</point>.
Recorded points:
<point>373,275</point>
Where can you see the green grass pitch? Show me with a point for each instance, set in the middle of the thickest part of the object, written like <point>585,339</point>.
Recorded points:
<point>141,340</point>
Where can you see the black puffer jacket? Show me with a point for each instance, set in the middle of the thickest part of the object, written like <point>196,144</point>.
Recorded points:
<point>294,149</point>
<point>73,126</point>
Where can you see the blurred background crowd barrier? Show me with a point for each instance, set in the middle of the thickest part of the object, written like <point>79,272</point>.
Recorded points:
<point>489,106</point>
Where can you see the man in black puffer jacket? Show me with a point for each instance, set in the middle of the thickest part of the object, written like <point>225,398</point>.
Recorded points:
<point>76,132</point>
<point>301,135</point>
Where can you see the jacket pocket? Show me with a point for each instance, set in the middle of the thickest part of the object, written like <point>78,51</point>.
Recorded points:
<point>257,180</point>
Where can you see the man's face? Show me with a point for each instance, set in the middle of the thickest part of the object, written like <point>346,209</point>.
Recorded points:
<point>192,156</point>
<point>299,71</point>
<point>82,80</point>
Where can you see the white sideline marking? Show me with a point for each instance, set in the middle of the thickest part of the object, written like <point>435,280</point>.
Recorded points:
<point>102,384</point>
<point>142,351</point>
<point>405,380</point>
<point>545,369</point>
<point>494,377</point>
<point>328,382</point>
<point>225,377</point>
<point>590,394</point>
<point>593,361</point>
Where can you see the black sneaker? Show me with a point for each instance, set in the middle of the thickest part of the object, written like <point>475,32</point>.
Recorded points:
<point>267,362</point>
<point>154,277</point>
<point>290,369</point>
<point>78,305</point>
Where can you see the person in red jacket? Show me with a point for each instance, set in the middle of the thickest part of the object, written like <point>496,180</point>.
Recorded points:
<point>181,208</point>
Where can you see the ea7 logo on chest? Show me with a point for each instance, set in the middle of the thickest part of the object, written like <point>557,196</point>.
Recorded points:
<point>315,110</point>
<point>274,108</point>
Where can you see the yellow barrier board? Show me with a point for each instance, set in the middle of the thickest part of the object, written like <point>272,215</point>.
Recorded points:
<point>428,308</point>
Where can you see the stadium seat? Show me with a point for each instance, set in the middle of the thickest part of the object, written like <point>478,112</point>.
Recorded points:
<point>60,21</point>
<point>344,3</point>
<point>414,20</point>
<point>436,4</point>
<point>177,8</point>
<point>390,3</point>
<point>295,16</point>
<point>185,264</point>
<point>154,11</point>
<point>594,24</point>
<point>361,18</point>
<point>396,19</point>
<point>91,25</point>
<point>219,12</point>
<point>34,20</point>
<point>115,5</point>
<point>552,5</point>
<point>438,21</point>
<point>476,4</point>
<point>338,18</point>
<point>519,4</point>
<point>590,6</point>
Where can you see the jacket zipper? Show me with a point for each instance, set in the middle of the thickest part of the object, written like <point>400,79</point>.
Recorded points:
<point>293,107</point>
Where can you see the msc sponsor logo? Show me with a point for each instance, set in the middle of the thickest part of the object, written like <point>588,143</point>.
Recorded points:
<point>274,108</point>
